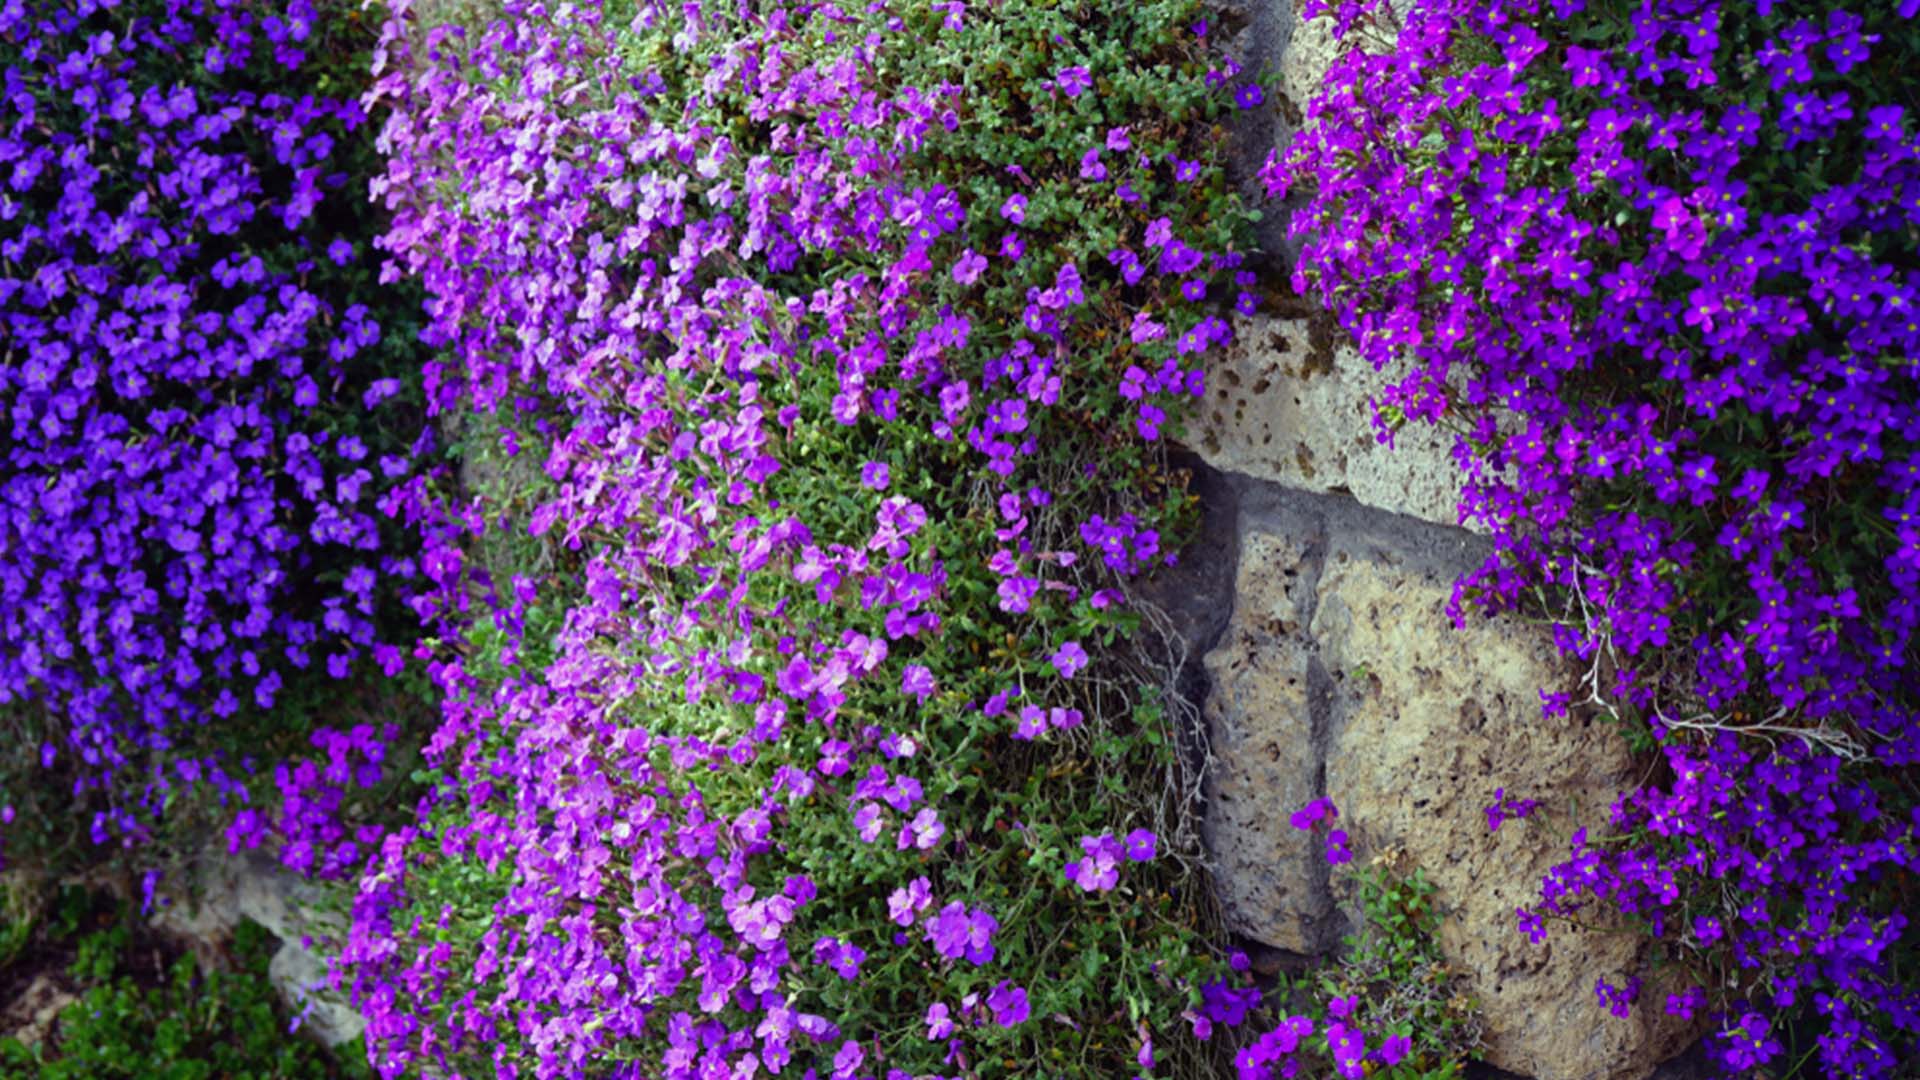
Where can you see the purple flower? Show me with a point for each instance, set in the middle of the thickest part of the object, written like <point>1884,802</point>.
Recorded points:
<point>1249,96</point>
<point>1073,81</point>
<point>917,682</point>
<point>923,832</point>
<point>1313,813</point>
<point>906,903</point>
<point>939,1021</point>
<point>1504,808</point>
<point>1142,845</point>
<point>1069,659</point>
<point>1099,871</point>
<point>1337,850</point>
<point>875,475</point>
<point>957,933</point>
<point>1009,1004</point>
<point>1015,208</point>
<point>966,270</point>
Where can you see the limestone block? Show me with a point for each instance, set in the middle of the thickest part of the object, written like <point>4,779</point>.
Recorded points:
<point>1291,402</point>
<point>1262,753</point>
<point>1428,721</point>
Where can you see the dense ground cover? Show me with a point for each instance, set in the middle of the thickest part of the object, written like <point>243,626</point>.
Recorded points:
<point>843,339</point>
<point>203,400</point>
<point>801,378</point>
<point>1656,263</point>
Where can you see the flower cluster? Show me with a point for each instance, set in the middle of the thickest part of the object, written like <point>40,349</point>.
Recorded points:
<point>838,354</point>
<point>1099,870</point>
<point>198,397</point>
<point>1657,266</point>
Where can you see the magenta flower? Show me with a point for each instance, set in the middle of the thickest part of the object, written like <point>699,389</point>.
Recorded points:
<point>1069,659</point>
<point>1073,81</point>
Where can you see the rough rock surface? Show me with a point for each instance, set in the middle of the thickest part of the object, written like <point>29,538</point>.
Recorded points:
<point>228,888</point>
<point>1439,719</point>
<point>1339,673</point>
<point>31,1015</point>
<point>1261,739</point>
<point>1291,402</point>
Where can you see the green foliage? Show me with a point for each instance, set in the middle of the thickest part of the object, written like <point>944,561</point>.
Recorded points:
<point>1393,963</point>
<point>139,1020</point>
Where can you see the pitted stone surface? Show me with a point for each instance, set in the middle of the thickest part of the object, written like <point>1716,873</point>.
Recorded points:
<point>1340,673</point>
<point>1291,402</point>
<point>1429,720</point>
<point>1260,727</point>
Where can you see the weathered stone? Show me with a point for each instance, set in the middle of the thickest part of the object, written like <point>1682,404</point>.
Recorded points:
<point>300,978</point>
<point>1291,402</point>
<point>225,889</point>
<point>1262,752</point>
<point>1339,673</point>
<point>1311,50</point>
<point>32,1014</point>
<point>1428,720</point>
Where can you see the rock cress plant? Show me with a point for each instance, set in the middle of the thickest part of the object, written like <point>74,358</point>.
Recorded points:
<point>846,337</point>
<point>1655,261</point>
<point>201,400</point>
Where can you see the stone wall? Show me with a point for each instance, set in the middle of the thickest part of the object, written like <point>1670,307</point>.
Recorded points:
<point>1330,667</point>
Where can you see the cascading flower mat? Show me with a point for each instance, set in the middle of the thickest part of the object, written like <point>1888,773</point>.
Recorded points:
<point>1655,260</point>
<point>842,340</point>
<point>202,402</point>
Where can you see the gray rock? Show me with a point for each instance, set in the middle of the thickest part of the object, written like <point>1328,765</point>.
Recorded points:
<point>1291,402</point>
<point>300,978</point>
<point>1263,753</point>
<point>1339,673</point>
<point>224,889</point>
